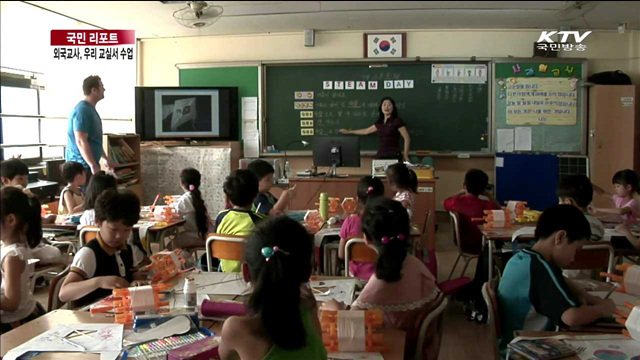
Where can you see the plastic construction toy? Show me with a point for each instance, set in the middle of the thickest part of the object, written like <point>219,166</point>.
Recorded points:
<point>630,279</point>
<point>165,213</point>
<point>352,331</point>
<point>334,205</point>
<point>496,219</point>
<point>313,221</point>
<point>165,265</point>
<point>516,208</point>
<point>349,205</point>
<point>126,302</point>
<point>630,320</point>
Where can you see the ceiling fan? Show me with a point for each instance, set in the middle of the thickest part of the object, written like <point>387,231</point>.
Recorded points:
<point>575,9</point>
<point>198,14</point>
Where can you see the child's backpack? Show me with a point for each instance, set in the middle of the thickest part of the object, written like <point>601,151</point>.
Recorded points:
<point>610,78</point>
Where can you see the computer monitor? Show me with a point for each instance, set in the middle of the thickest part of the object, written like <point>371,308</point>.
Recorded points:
<point>336,151</point>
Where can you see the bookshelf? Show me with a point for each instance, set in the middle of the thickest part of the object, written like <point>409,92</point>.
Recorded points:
<point>124,150</point>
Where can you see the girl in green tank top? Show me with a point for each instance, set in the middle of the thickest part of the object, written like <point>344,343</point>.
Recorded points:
<point>282,322</point>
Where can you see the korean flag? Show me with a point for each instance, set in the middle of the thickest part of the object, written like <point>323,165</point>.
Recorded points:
<point>384,45</point>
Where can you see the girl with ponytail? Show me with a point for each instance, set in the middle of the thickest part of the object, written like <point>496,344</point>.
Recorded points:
<point>402,286</point>
<point>282,322</point>
<point>20,232</point>
<point>192,208</point>
<point>369,187</point>
<point>404,182</point>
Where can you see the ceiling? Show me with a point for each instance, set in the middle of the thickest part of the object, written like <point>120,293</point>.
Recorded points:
<point>153,19</point>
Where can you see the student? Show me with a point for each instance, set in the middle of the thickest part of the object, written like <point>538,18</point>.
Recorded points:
<point>98,183</point>
<point>192,208</point>
<point>71,198</point>
<point>240,188</point>
<point>468,204</point>
<point>21,231</point>
<point>404,182</point>
<point>282,321</point>
<point>533,294</point>
<point>577,190</point>
<point>16,173</point>
<point>626,184</point>
<point>265,203</point>
<point>369,187</point>
<point>402,286</point>
<point>116,213</point>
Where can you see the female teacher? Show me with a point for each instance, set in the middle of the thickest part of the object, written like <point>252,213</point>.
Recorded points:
<point>389,127</point>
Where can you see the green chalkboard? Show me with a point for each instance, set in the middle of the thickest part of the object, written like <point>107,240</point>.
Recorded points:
<point>245,78</point>
<point>544,138</point>
<point>439,116</point>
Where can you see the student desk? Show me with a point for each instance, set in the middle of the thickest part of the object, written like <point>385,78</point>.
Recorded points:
<point>500,234</point>
<point>44,189</point>
<point>48,321</point>
<point>156,233</point>
<point>394,338</point>
<point>490,236</point>
<point>546,334</point>
<point>308,189</point>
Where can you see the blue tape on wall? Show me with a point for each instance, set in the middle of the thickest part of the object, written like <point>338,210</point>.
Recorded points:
<point>528,177</point>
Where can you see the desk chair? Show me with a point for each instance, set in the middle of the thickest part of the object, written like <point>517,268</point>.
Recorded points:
<point>357,250</point>
<point>489,294</point>
<point>597,255</point>
<point>87,234</point>
<point>435,316</point>
<point>455,230</point>
<point>54,302</point>
<point>227,247</point>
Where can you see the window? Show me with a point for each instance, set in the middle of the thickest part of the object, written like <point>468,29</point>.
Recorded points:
<point>20,130</point>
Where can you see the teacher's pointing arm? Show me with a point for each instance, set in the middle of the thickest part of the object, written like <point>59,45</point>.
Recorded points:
<point>407,141</point>
<point>370,130</point>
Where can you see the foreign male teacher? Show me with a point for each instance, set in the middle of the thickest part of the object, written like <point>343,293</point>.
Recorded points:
<point>389,128</point>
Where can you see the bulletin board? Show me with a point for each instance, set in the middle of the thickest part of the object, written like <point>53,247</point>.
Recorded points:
<point>540,104</point>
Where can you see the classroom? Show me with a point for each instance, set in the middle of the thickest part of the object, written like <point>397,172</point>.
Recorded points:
<point>320,180</point>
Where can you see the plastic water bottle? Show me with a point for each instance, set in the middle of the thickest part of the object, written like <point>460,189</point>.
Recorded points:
<point>287,170</point>
<point>190,294</point>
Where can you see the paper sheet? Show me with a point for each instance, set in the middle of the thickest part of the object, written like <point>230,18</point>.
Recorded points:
<point>251,142</point>
<point>339,290</point>
<point>217,284</point>
<point>505,140</point>
<point>499,161</point>
<point>97,338</point>
<point>524,231</point>
<point>611,348</point>
<point>618,298</point>
<point>109,355</point>
<point>250,108</point>
<point>523,139</point>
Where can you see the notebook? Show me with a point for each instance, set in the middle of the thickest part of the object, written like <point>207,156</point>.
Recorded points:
<point>542,349</point>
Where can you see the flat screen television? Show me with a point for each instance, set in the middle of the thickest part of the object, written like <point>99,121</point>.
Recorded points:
<point>172,113</point>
